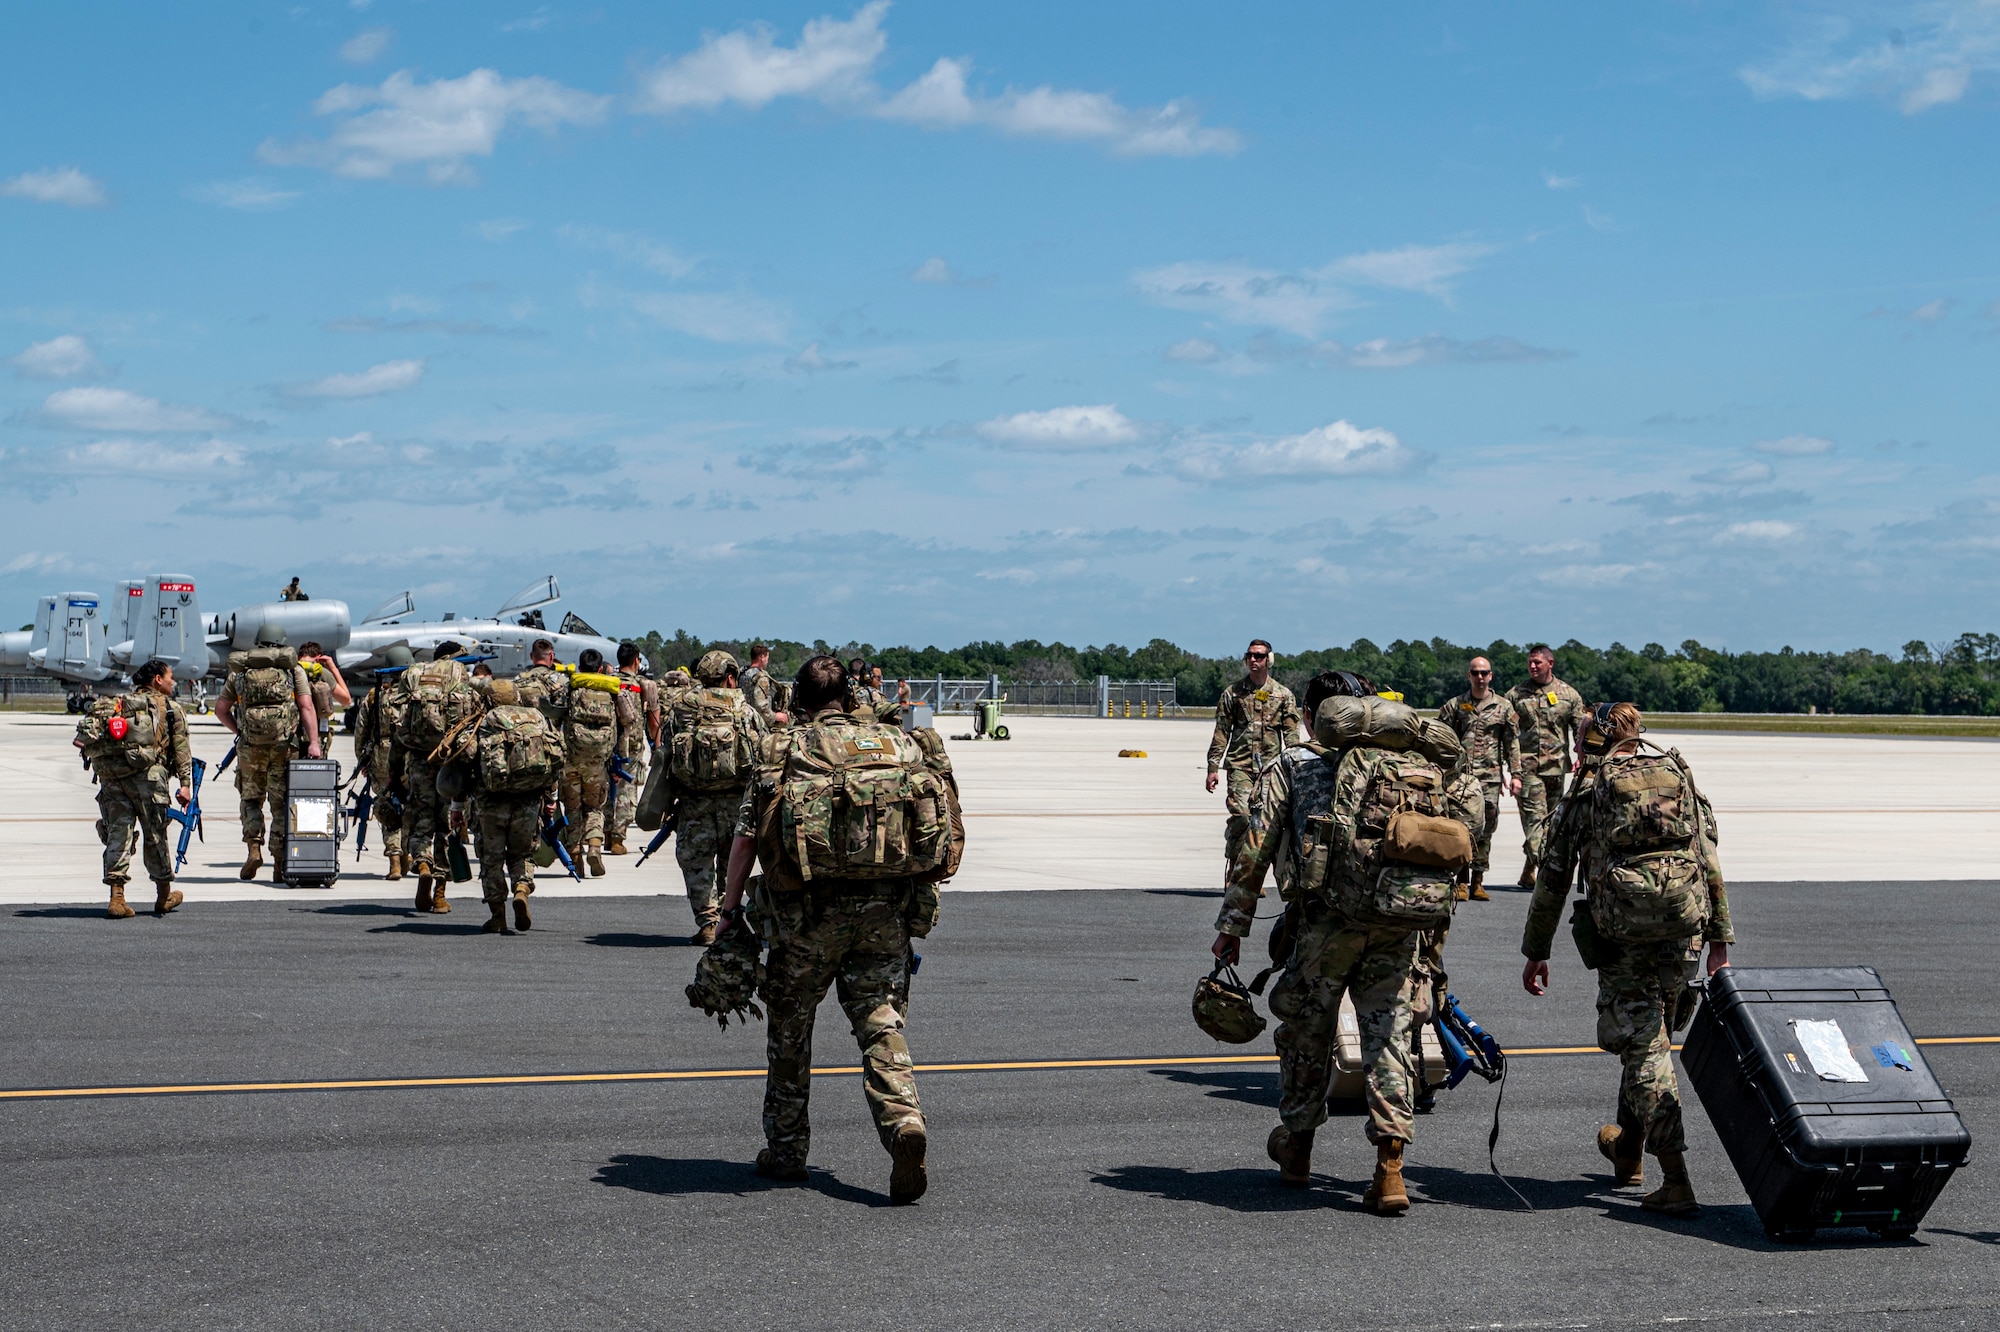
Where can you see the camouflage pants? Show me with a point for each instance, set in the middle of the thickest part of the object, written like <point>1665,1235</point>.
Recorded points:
<point>1636,1001</point>
<point>1372,966</point>
<point>704,827</point>
<point>583,791</point>
<point>388,817</point>
<point>856,942</point>
<point>424,812</point>
<point>625,802</point>
<point>1538,798</point>
<point>1482,845</point>
<point>126,805</point>
<point>509,826</point>
<point>262,776</point>
<point>1242,805</point>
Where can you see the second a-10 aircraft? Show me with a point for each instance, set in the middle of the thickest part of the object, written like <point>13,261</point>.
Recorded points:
<point>78,639</point>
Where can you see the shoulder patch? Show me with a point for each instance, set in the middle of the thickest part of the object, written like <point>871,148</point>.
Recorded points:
<point>1263,695</point>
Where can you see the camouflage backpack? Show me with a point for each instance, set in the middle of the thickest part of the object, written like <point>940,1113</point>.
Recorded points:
<point>122,735</point>
<point>1406,849</point>
<point>590,721</point>
<point>1643,864</point>
<point>711,749</point>
<point>267,709</point>
<point>520,753</point>
<point>437,699</point>
<point>854,802</point>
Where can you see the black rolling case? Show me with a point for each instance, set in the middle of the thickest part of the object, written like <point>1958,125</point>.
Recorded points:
<point>1813,1151</point>
<point>312,823</point>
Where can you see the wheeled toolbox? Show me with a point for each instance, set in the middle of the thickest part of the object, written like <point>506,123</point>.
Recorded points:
<point>1823,1100</point>
<point>312,823</point>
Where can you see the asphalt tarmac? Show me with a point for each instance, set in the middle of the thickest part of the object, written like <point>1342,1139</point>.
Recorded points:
<point>1121,1197</point>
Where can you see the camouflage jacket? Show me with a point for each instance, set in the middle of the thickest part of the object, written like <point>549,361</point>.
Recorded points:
<point>761,691</point>
<point>1576,842</point>
<point>1488,729</point>
<point>1549,718</point>
<point>641,723</point>
<point>1252,724</point>
<point>871,704</point>
<point>375,729</point>
<point>549,690</point>
<point>1310,784</point>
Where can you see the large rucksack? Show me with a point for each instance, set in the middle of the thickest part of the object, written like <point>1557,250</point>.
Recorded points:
<point>1644,865</point>
<point>122,735</point>
<point>267,708</point>
<point>519,751</point>
<point>711,749</point>
<point>437,698</point>
<point>590,724</point>
<point>1407,848</point>
<point>856,802</point>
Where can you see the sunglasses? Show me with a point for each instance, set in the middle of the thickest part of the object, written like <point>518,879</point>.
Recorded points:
<point>1482,672</point>
<point>1255,656</point>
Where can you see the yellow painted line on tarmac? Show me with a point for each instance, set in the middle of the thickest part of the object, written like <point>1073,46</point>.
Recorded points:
<point>708,1074</point>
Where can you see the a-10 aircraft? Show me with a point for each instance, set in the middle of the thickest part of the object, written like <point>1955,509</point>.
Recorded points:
<point>79,640</point>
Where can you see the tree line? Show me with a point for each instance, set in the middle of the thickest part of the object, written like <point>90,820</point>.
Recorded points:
<point>1958,678</point>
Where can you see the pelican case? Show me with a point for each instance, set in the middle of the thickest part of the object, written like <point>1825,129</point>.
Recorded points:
<point>312,823</point>
<point>1823,1100</point>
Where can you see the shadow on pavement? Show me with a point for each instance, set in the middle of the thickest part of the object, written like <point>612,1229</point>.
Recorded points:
<point>1239,1190</point>
<point>429,927</point>
<point>69,912</point>
<point>1478,1189</point>
<point>1976,1236</point>
<point>638,940</point>
<point>677,1179</point>
<point>1230,1085</point>
<point>1182,892</point>
<point>363,909</point>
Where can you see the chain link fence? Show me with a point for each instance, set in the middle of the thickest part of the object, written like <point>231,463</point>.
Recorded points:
<point>1102,697</point>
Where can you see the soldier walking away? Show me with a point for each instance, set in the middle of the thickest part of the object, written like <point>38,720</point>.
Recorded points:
<point>329,689</point>
<point>267,704</point>
<point>1644,839</point>
<point>760,690</point>
<point>1486,725</point>
<point>833,922</point>
<point>436,697</point>
<point>1256,719</point>
<point>711,750</point>
<point>376,752</point>
<point>865,698</point>
<point>638,726</point>
<point>1550,716</point>
<point>1362,900</point>
<point>132,742</point>
<point>292,591</point>
<point>590,737</point>
<point>516,756</point>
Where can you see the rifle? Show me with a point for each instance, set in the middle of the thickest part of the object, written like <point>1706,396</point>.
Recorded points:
<point>552,834</point>
<point>659,838</point>
<point>1467,1046</point>
<point>226,758</point>
<point>620,774</point>
<point>364,804</point>
<point>190,818</point>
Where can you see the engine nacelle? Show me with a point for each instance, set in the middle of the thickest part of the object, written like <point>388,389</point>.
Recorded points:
<point>322,622</point>
<point>14,649</point>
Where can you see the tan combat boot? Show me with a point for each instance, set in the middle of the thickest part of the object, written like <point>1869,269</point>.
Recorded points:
<point>277,869</point>
<point>438,904</point>
<point>593,855</point>
<point>117,910</point>
<point>705,936</point>
<point>423,873</point>
<point>1386,1195</point>
<point>1527,881</point>
<point>1629,1172</point>
<point>1675,1196</point>
<point>1293,1153</point>
<point>395,868</point>
<point>1458,892</point>
<point>907,1177</point>
<point>253,860</point>
<point>616,847</point>
<point>522,920</point>
<point>167,897</point>
<point>1478,892</point>
<point>497,922</point>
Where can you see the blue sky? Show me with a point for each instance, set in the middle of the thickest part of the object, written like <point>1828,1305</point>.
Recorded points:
<point>932,323</point>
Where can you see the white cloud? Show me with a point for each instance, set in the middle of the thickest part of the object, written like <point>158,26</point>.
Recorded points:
<point>147,457</point>
<point>1425,268</point>
<point>1195,351</point>
<point>1763,529</point>
<point>1300,302</point>
<point>1588,575</point>
<point>1793,446</point>
<point>1338,450</point>
<point>1555,182</point>
<point>1599,221</point>
<point>1932,311</point>
<point>39,562</point>
<point>388,377</point>
<point>493,230</point>
<point>834,61</point>
<point>1063,429</point>
<point>62,185</point>
<point>437,125</point>
<point>1430,349</point>
<point>718,316</point>
<point>365,46</point>
<point>1919,56</point>
<point>535,22</point>
<point>812,361</point>
<point>1739,474</point>
<point>116,410</point>
<point>250,196</point>
<point>640,251</point>
<point>64,357</point>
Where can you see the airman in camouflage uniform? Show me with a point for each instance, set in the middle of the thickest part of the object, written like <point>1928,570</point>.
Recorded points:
<point>375,750</point>
<point>1308,811</point>
<point>852,935</point>
<point>1488,727</point>
<point>704,820</point>
<point>263,772</point>
<point>865,698</point>
<point>1551,715</point>
<point>760,691</point>
<point>425,809</point>
<point>329,689</point>
<point>1636,819</point>
<point>134,805</point>
<point>638,726</point>
<point>1255,719</point>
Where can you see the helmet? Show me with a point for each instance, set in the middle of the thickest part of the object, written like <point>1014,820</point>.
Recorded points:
<point>728,976</point>
<point>454,779</point>
<point>271,635</point>
<point>714,667</point>
<point>398,654</point>
<point>446,650</point>
<point>1222,1007</point>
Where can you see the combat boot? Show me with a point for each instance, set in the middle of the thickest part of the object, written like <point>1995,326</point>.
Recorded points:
<point>438,904</point>
<point>167,897</point>
<point>1675,1196</point>
<point>593,856</point>
<point>1386,1195</point>
<point>423,873</point>
<point>1293,1153</point>
<point>1478,892</point>
<point>253,860</point>
<point>1527,880</point>
<point>497,922</point>
<point>616,847</point>
<point>522,920</point>
<point>705,936</point>
<point>1627,1172</point>
<point>395,868</point>
<point>907,1177</point>
<point>1458,892</point>
<point>117,910</point>
<point>785,1169</point>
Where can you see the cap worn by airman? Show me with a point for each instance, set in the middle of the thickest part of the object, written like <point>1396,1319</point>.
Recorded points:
<point>714,667</point>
